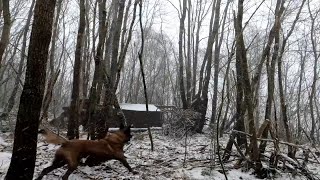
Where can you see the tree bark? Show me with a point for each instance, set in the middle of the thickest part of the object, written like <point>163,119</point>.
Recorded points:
<point>73,123</point>
<point>203,94</point>
<point>285,120</point>
<point>181,64</point>
<point>110,75</point>
<point>6,29</point>
<point>314,82</point>
<point>188,60</point>
<point>196,48</point>
<point>302,69</point>
<point>53,74</point>
<point>227,82</point>
<point>142,72</point>
<point>115,42</point>
<point>125,46</point>
<point>26,131</point>
<point>245,81</point>
<point>97,76</point>
<point>271,67</point>
<point>218,44</point>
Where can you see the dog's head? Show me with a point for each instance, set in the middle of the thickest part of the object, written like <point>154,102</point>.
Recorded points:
<point>126,131</point>
<point>123,135</point>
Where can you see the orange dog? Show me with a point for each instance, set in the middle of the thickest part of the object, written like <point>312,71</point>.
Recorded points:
<point>72,151</point>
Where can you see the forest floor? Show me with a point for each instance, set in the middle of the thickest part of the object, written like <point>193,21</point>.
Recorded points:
<point>165,162</point>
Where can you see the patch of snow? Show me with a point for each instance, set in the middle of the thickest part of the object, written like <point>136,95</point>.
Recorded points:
<point>138,107</point>
<point>197,174</point>
<point>235,174</point>
<point>5,159</point>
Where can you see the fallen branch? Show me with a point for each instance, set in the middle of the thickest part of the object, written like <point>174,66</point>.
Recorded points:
<point>271,140</point>
<point>303,170</point>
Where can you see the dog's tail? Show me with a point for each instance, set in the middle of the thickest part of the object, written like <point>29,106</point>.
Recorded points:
<point>51,137</point>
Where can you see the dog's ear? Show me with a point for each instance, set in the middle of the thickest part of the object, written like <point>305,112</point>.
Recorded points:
<point>121,126</point>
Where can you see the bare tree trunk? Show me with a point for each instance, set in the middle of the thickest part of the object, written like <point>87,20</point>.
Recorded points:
<point>227,82</point>
<point>137,90</point>
<point>115,42</point>
<point>53,76</point>
<point>110,99</point>
<point>188,61</point>
<point>291,153</point>
<point>203,95</point>
<point>126,45</point>
<point>270,66</point>
<point>87,58</point>
<point>73,123</point>
<point>245,81</point>
<point>129,95</point>
<point>264,56</point>
<point>142,72</point>
<point>48,95</point>
<point>196,49</point>
<point>218,44</point>
<point>227,107</point>
<point>314,82</point>
<point>97,76</point>
<point>302,69</point>
<point>6,29</point>
<point>181,64</point>
<point>26,131</point>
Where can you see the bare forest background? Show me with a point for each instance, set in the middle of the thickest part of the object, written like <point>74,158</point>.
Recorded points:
<point>246,67</point>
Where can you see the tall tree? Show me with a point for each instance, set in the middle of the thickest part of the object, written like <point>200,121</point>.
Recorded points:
<point>181,63</point>
<point>283,103</point>
<point>218,44</point>
<point>142,70</point>
<point>53,73</point>
<point>73,123</point>
<point>270,66</point>
<point>97,75</point>
<point>243,77</point>
<point>26,131</point>
<point>188,54</point>
<point>315,76</point>
<point>302,54</point>
<point>114,62</point>
<point>6,28</point>
<point>201,102</point>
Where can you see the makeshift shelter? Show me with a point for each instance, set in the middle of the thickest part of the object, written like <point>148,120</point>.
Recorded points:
<point>137,115</point>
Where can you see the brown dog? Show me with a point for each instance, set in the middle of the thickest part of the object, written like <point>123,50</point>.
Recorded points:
<point>72,151</point>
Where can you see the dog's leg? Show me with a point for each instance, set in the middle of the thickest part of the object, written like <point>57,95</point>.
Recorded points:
<point>126,164</point>
<point>67,174</point>
<point>72,165</point>
<point>57,163</point>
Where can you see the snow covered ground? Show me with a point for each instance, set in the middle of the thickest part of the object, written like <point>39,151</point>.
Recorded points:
<point>165,162</point>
